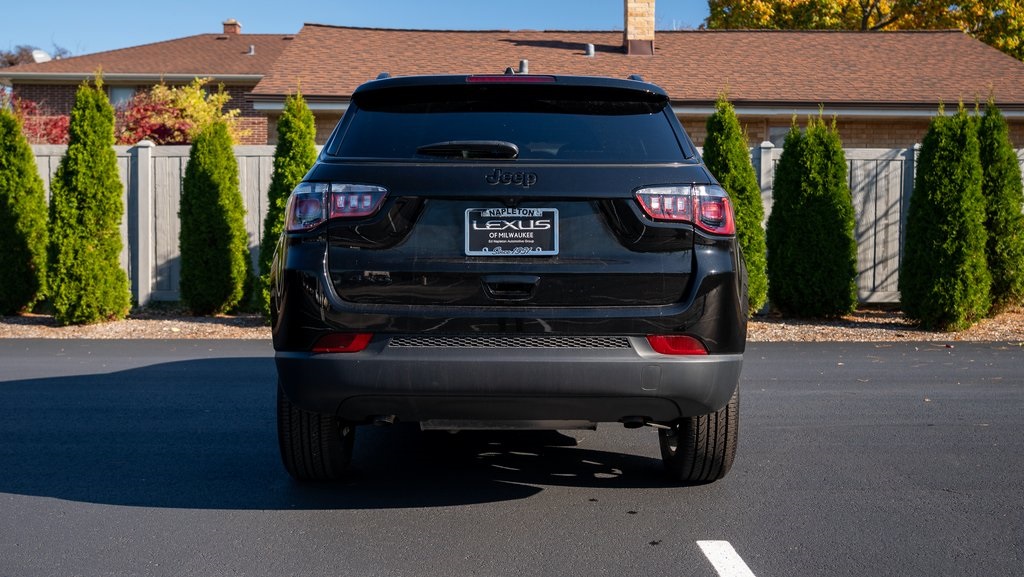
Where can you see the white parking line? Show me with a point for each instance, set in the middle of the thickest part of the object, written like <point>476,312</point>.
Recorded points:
<point>725,559</point>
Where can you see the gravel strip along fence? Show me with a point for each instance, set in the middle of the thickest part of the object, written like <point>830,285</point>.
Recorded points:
<point>866,325</point>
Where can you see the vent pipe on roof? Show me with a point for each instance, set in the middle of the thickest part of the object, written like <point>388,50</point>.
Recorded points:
<point>590,51</point>
<point>252,50</point>
<point>524,67</point>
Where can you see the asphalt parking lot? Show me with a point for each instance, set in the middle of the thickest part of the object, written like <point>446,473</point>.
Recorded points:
<point>160,458</point>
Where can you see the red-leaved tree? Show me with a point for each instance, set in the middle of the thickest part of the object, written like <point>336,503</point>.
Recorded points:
<point>175,114</point>
<point>40,128</point>
<point>151,116</point>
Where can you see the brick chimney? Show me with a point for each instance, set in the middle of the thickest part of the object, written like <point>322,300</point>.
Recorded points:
<point>232,26</point>
<point>639,35</point>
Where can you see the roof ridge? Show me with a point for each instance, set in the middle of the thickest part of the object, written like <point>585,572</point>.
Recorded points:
<point>816,31</point>
<point>455,31</point>
<point>619,30</point>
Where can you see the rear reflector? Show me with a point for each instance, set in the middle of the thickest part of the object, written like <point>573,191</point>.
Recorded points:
<point>676,345</point>
<point>342,343</point>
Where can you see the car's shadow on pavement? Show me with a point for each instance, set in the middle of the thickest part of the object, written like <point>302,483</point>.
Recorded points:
<point>201,435</point>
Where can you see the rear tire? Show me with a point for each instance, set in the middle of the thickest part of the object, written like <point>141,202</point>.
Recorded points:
<point>314,446</point>
<point>701,449</point>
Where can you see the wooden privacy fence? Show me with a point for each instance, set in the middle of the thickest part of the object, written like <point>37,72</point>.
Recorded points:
<point>881,182</point>
<point>151,178</point>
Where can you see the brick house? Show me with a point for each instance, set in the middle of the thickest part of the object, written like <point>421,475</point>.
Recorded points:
<point>236,60</point>
<point>882,87</point>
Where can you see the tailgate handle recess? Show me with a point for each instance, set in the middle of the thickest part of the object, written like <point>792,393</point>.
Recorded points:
<point>510,287</point>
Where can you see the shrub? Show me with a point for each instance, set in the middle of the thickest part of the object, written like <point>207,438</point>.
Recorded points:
<point>727,157</point>
<point>783,234</point>
<point>146,117</point>
<point>175,114</point>
<point>944,279</point>
<point>87,283</point>
<point>39,128</point>
<point>1004,199</point>
<point>812,254</point>
<point>213,241</point>
<point>294,155</point>
<point>23,220</point>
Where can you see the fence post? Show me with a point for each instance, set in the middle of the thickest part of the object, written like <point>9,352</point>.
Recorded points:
<point>766,177</point>
<point>141,188</point>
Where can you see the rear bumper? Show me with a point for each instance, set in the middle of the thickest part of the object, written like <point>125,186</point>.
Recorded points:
<point>509,384</point>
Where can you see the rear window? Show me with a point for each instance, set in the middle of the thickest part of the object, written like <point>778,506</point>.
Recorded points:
<point>545,123</point>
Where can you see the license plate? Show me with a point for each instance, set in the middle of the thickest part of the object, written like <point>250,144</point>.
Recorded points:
<point>512,231</point>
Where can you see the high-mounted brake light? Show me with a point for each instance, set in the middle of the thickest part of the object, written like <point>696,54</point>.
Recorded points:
<point>677,345</point>
<point>706,206</point>
<point>509,79</point>
<point>311,203</point>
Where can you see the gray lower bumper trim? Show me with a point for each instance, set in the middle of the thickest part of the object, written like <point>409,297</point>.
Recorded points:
<point>598,385</point>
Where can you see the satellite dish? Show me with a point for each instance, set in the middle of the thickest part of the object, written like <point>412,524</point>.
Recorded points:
<point>40,56</point>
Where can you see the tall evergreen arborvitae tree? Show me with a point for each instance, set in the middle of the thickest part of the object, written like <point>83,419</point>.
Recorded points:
<point>294,155</point>
<point>22,220</point>
<point>1004,202</point>
<point>214,244</point>
<point>783,234</point>
<point>727,157</point>
<point>812,253</point>
<point>86,281</point>
<point>944,278</point>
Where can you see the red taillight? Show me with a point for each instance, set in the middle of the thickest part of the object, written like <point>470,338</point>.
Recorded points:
<point>509,79</point>
<point>311,203</point>
<point>667,204</point>
<point>707,207</point>
<point>355,200</point>
<point>342,343</point>
<point>305,209</point>
<point>676,345</point>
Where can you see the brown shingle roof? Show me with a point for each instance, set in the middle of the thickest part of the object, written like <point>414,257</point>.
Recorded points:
<point>200,55</point>
<point>845,68</point>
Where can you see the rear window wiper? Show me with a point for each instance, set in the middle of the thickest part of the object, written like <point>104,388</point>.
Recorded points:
<point>471,149</point>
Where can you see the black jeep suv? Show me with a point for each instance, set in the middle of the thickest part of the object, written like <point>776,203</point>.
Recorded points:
<point>497,251</point>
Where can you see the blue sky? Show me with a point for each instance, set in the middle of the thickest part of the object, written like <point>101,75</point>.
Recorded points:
<point>84,26</point>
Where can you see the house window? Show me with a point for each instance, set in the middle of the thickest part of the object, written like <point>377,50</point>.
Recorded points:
<point>777,135</point>
<point>120,95</point>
